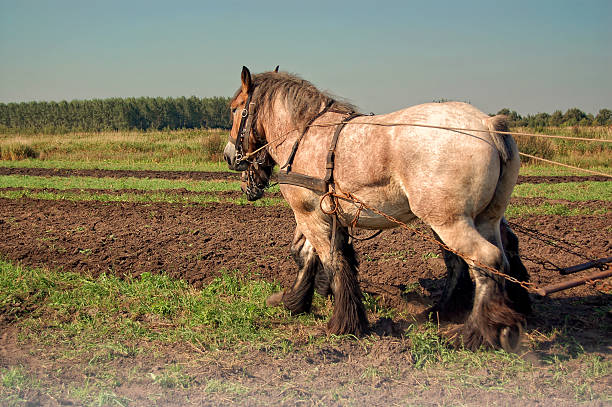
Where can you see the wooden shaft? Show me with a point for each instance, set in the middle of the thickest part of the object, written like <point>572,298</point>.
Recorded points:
<point>553,288</point>
<point>584,266</point>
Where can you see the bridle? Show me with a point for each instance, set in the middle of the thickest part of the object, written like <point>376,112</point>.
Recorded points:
<point>256,160</point>
<point>247,118</point>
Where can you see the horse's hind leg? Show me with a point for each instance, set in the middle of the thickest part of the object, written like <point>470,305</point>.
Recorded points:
<point>298,298</point>
<point>518,296</point>
<point>458,291</point>
<point>492,321</point>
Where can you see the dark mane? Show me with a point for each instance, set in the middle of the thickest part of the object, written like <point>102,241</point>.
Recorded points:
<point>303,100</point>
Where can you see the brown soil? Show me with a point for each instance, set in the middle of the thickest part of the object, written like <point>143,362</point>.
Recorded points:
<point>195,242</point>
<point>203,175</point>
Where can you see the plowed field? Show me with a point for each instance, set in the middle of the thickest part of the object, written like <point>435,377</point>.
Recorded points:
<point>197,242</point>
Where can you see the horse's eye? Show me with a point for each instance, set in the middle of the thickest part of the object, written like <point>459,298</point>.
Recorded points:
<point>234,110</point>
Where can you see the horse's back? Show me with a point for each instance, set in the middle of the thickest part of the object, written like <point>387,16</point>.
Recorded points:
<point>445,173</point>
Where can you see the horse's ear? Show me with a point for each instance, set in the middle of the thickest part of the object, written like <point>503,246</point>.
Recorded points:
<point>276,69</point>
<point>247,83</point>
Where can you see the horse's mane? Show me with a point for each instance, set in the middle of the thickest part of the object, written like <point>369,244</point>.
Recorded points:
<point>303,100</point>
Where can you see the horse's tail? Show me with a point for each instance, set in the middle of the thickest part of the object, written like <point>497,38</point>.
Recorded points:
<point>503,142</point>
<point>510,163</point>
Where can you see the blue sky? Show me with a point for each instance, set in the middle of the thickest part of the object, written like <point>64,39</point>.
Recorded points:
<point>532,56</point>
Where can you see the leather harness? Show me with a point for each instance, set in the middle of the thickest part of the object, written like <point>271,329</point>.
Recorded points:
<point>306,181</point>
<point>286,175</point>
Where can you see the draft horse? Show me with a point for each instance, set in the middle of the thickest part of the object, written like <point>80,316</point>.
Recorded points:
<point>457,182</point>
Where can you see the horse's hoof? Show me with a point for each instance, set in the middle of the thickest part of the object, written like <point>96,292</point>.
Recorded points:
<point>275,299</point>
<point>510,338</point>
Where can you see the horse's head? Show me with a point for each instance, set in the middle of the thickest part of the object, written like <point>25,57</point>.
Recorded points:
<point>245,133</point>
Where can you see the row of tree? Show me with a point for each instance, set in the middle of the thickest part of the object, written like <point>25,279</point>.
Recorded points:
<point>147,113</point>
<point>144,113</point>
<point>572,117</point>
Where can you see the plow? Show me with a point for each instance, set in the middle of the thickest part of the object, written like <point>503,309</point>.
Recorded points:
<point>602,264</point>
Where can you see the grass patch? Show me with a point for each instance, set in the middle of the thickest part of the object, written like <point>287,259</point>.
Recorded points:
<point>175,148</point>
<point>173,376</point>
<point>218,386</point>
<point>114,184</point>
<point>166,197</point>
<point>94,321</point>
<point>201,150</point>
<point>514,211</point>
<point>569,191</point>
<point>584,154</point>
<point>99,313</point>
<point>114,164</point>
<point>547,170</point>
<point>17,151</point>
<point>15,382</point>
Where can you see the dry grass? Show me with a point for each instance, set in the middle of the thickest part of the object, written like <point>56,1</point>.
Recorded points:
<point>188,149</point>
<point>162,146</point>
<point>15,151</point>
<point>583,154</point>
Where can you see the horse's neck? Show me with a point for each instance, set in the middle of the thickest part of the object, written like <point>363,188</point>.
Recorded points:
<point>281,136</point>
<point>282,133</point>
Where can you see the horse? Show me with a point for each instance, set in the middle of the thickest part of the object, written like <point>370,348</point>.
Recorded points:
<point>458,182</point>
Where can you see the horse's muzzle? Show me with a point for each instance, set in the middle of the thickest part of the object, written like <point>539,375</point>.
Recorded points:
<point>252,192</point>
<point>229,153</point>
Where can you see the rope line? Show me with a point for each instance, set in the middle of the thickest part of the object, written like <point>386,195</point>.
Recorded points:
<point>512,133</point>
<point>565,165</point>
<point>459,129</point>
<point>347,196</point>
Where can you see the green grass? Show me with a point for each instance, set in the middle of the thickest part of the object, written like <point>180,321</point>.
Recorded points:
<point>115,184</point>
<point>105,315</point>
<point>153,190</point>
<point>116,164</point>
<point>201,150</point>
<point>14,383</point>
<point>104,325</point>
<point>172,376</point>
<point>555,170</point>
<point>569,191</point>
<point>143,184</point>
<point>166,197</point>
<point>514,211</point>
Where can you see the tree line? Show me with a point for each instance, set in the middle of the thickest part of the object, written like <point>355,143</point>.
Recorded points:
<point>572,117</point>
<point>147,113</point>
<point>144,113</point>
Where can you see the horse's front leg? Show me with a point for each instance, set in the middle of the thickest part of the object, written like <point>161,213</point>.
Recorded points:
<point>349,316</point>
<point>298,298</point>
<point>339,271</point>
